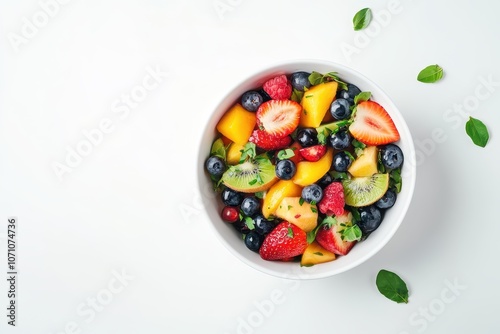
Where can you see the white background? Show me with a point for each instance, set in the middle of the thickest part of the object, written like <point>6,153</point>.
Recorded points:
<point>132,206</point>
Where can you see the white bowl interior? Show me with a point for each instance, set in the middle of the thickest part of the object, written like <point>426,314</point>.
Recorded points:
<point>363,250</point>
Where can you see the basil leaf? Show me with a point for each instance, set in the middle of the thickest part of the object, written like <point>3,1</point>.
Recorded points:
<point>248,151</point>
<point>260,194</point>
<point>351,233</point>
<point>363,96</point>
<point>430,74</point>
<point>286,154</point>
<point>315,78</point>
<point>290,232</point>
<point>218,149</point>
<point>362,19</point>
<point>250,223</point>
<point>297,95</point>
<point>392,286</point>
<point>477,131</point>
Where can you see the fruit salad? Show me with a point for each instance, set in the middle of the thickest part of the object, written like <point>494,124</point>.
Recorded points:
<point>306,167</point>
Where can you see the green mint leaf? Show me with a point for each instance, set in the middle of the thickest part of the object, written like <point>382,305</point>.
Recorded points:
<point>250,223</point>
<point>290,232</point>
<point>362,19</point>
<point>339,175</point>
<point>392,286</point>
<point>355,215</point>
<point>477,131</point>
<point>289,207</point>
<point>315,78</point>
<point>318,253</point>
<point>322,137</point>
<point>363,96</point>
<point>357,144</point>
<point>218,149</point>
<point>248,151</point>
<point>301,201</point>
<point>314,210</point>
<point>260,194</point>
<point>395,180</point>
<point>350,155</point>
<point>329,221</point>
<point>430,74</point>
<point>286,154</point>
<point>252,182</point>
<point>351,233</point>
<point>297,95</point>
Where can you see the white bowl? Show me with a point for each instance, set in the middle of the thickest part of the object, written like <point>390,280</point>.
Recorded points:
<point>360,252</point>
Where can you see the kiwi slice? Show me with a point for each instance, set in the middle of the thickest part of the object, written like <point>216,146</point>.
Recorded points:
<point>366,190</point>
<point>251,176</point>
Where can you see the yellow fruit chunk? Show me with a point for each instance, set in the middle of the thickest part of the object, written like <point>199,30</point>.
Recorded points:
<point>275,194</point>
<point>309,172</point>
<point>316,103</point>
<point>302,215</point>
<point>315,254</point>
<point>237,124</point>
<point>233,154</point>
<point>366,163</point>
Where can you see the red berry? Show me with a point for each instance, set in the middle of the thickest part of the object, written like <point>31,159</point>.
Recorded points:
<point>230,214</point>
<point>269,142</point>
<point>278,88</point>
<point>313,153</point>
<point>284,242</point>
<point>333,201</point>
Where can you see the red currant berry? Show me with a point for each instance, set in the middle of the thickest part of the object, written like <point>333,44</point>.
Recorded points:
<point>230,214</point>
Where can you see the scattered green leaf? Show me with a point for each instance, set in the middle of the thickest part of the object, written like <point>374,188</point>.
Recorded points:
<point>363,96</point>
<point>314,210</point>
<point>260,194</point>
<point>286,154</point>
<point>392,286</point>
<point>218,149</point>
<point>318,253</point>
<point>339,175</point>
<point>297,95</point>
<point>351,233</point>
<point>290,232</point>
<point>430,74</point>
<point>395,180</point>
<point>248,152</point>
<point>289,207</point>
<point>362,19</point>
<point>301,201</point>
<point>477,131</point>
<point>250,223</point>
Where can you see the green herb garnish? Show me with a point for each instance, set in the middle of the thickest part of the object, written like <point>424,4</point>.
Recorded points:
<point>430,74</point>
<point>362,19</point>
<point>477,131</point>
<point>392,286</point>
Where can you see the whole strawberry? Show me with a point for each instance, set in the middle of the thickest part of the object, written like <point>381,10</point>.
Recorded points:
<point>333,201</point>
<point>284,242</point>
<point>278,88</point>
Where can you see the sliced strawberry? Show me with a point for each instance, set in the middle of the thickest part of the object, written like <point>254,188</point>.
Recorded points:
<point>269,142</point>
<point>333,201</point>
<point>278,117</point>
<point>330,236</point>
<point>372,125</point>
<point>278,88</point>
<point>284,242</point>
<point>313,153</point>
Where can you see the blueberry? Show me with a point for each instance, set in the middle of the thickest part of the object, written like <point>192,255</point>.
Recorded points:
<point>215,165</point>
<point>300,80</point>
<point>253,241</point>
<point>241,226</point>
<point>340,109</point>
<point>250,206</point>
<point>265,96</point>
<point>307,137</point>
<point>251,100</point>
<point>341,162</point>
<point>340,140</point>
<point>391,156</point>
<point>312,193</point>
<point>325,180</point>
<point>349,94</point>
<point>231,197</point>
<point>387,201</point>
<point>285,169</point>
<point>262,225</point>
<point>370,219</point>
